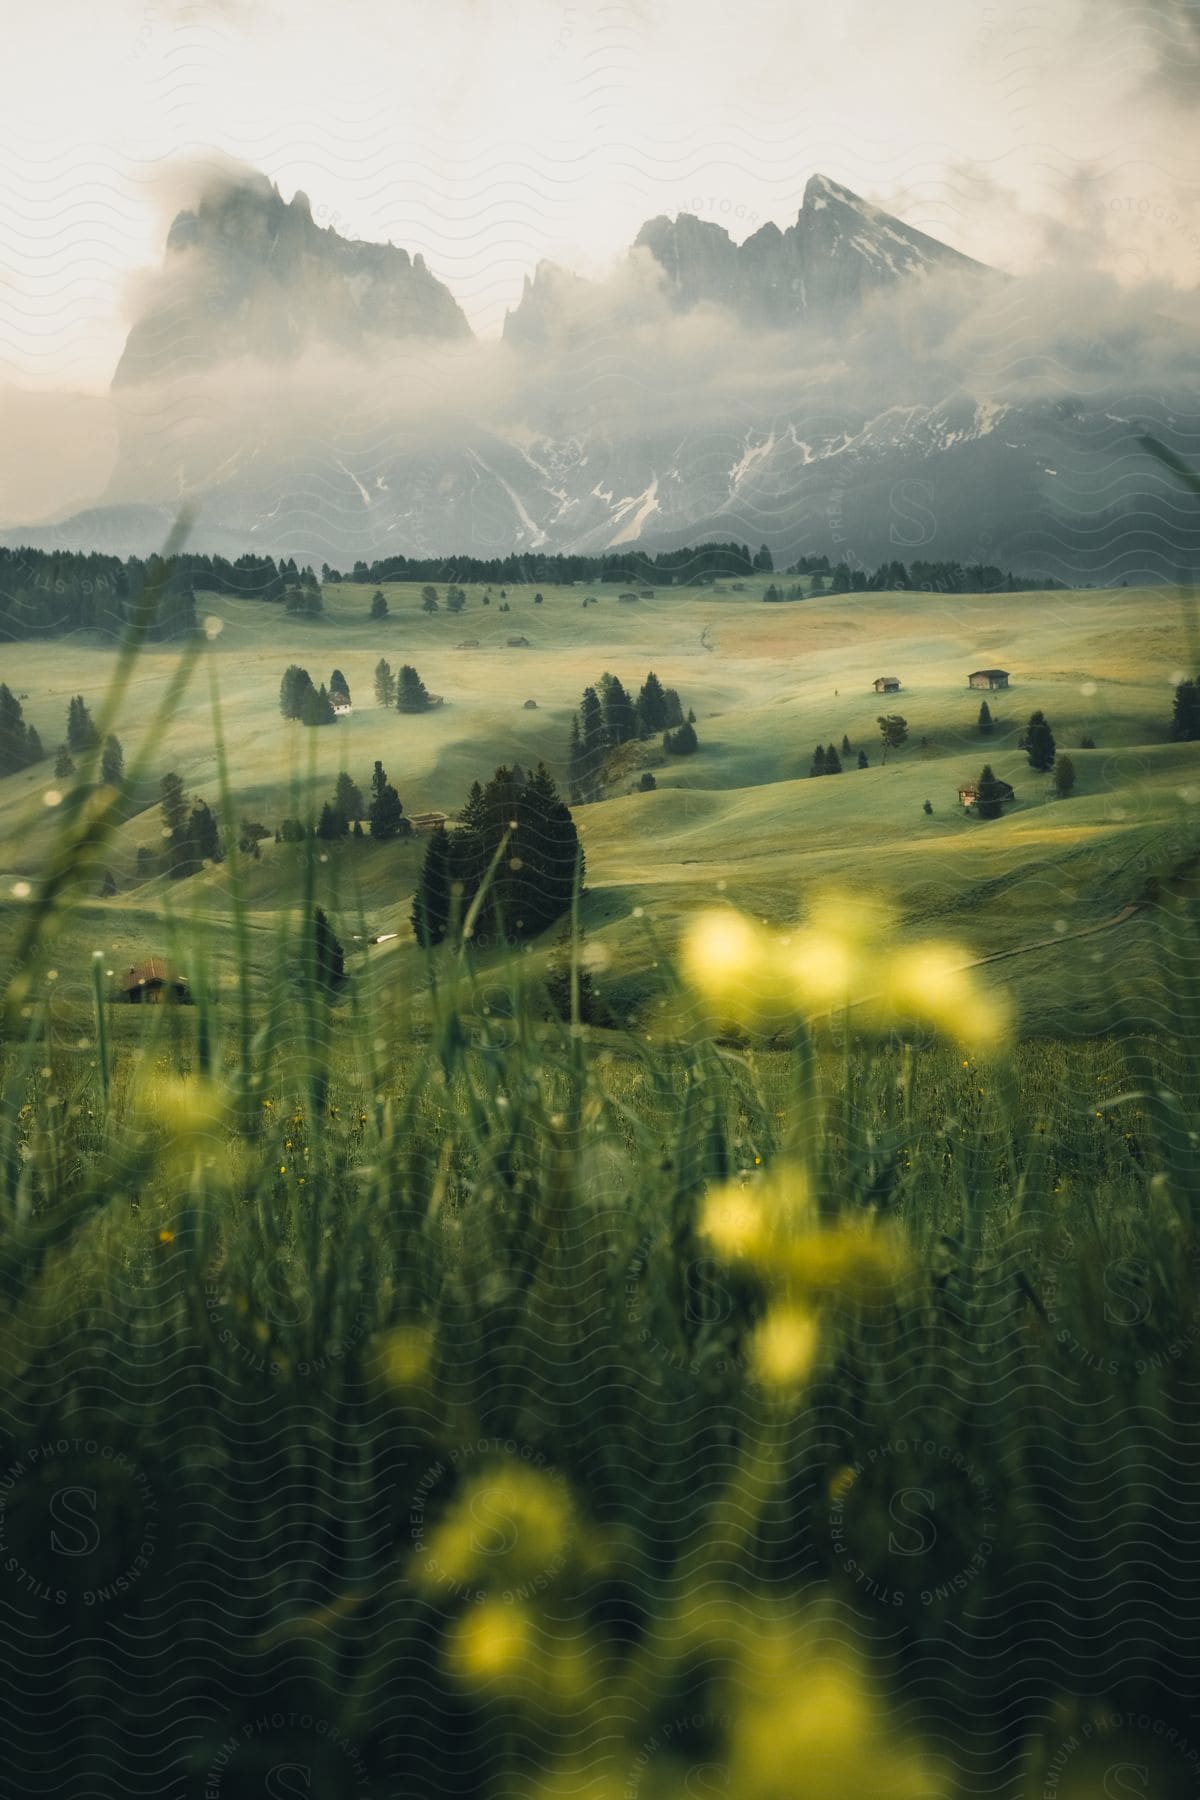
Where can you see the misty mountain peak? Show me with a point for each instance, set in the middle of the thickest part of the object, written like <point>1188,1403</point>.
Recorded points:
<point>819,190</point>
<point>247,273</point>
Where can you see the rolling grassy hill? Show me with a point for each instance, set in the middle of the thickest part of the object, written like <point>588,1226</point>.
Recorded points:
<point>741,820</point>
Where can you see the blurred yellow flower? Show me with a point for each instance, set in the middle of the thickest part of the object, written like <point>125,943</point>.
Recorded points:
<point>511,1523</point>
<point>815,1733</point>
<point>856,1260</point>
<point>931,984</point>
<point>187,1116</point>
<point>844,956</point>
<point>404,1356</point>
<point>784,1346</point>
<point>489,1642</point>
<point>733,1220</point>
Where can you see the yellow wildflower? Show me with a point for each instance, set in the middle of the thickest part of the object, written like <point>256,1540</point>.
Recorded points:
<point>785,1345</point>
<point>489,1642</point>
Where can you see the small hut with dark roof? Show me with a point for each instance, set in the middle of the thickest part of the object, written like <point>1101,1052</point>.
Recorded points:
<point>151,982</point>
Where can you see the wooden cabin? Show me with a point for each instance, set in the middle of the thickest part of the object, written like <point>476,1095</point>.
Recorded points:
<point>150,983</point>
<point>518,643</point>
<point>988,678</point>
<point>968,794</point>
<point>427,821</point>
<point>887,684</point>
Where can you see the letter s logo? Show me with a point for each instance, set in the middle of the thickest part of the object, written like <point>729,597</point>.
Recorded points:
<point>498,1534</point>
<point>911,1507</point>
<point>1127,1301</point>
<point>286,1305</point>
<point>914,524</point>
<point>280,1785</point>
<point>79,1522</point>
<point>1119,1780</point>
<point>706,1781</point>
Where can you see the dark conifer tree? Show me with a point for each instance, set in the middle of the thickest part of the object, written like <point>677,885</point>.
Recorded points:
<point>385,683</point>
<point>175,823</point>
<point>204,842</point>
<point>683,741</point>
<point>575,768</point>
<point>431,914</point>
<point>379,605</point>
<point>412,696</point>
<point>591,731</point>
<point>817,766</point>
<point>986,722</point>
<point>294,691</point>
<point>620,720</point>
<point>1037,741</point>
<point>387,820</point>
<point>112,762</point>
<point>674,706</point>
<point>1185,720</point>
<point>348,799</point>
<point>81,733</point>
<point>988,794</point>
<point>652,708</point>
<point>862,760</point>
<point>833,762</point>
<point>19,743</point>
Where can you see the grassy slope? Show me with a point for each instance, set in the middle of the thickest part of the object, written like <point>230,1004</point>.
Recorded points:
<point>740,820</point>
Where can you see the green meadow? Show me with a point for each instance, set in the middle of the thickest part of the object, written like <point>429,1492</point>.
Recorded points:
<point>740,821</point>
<point>784,1389</point>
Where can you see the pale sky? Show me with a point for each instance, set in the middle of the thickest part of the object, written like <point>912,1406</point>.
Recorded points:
<point>488,134</point>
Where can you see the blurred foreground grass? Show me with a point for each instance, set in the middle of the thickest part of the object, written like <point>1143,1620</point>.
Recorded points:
<point>421,1394</point>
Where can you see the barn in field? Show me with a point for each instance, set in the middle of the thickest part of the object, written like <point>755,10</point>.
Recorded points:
<point>427,821</point>
<point>887,684</point>
<point>968,794</point>
<point>988,678</point>
<point>341,707</point>
<point>150,983</point>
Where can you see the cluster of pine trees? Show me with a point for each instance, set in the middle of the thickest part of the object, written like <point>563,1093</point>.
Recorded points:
<point>20,744</point>
<point>826,759</point>
<point>404,690</point>
<point>949,577</point>
<point>608,716</point>
<point>190,834</point>
<point>630,567</point>
<point>515,849</point>
<point>344,814</point>
<point>299,699</point>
